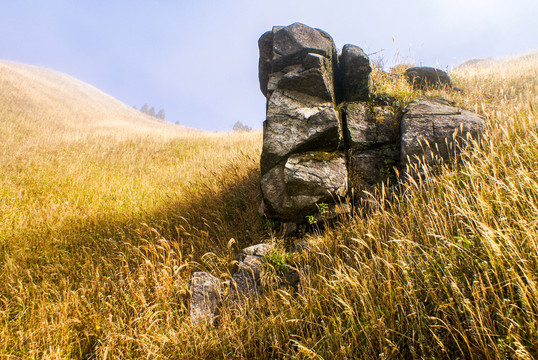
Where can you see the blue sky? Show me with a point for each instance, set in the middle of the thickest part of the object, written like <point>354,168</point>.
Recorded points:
<point>198,59</point>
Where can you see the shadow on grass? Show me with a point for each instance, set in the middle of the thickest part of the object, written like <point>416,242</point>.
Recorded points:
<point>204,220</point>
<point>210,213</point>
<point>102,260</point>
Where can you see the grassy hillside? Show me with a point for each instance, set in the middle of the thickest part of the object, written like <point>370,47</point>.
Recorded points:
<point>100,231</point>
<point>87,185</point>
<point>44,100</point>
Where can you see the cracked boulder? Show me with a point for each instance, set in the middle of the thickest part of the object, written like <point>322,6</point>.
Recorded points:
<point>205,298</point>
<point>297,57</point>
<point>297,76</point>
<point>293,188</point>
<point>433,128</point>
<point>297,122</point>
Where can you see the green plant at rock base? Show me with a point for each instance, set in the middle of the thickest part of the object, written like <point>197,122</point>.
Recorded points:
<point>387,172</point>
<point>311,219</point>
<point>269,225</point>
<point>276,260</point>
<point>323,211</point>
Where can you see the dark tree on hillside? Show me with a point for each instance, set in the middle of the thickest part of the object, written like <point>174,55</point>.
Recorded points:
<point>144,108</point>
<point>239,126</point>
<point>151,111</point>
<point>160,114</point>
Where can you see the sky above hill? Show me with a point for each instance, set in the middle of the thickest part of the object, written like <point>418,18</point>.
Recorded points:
<point>198,60</point>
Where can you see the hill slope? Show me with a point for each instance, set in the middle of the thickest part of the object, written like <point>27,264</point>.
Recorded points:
<point>36,100</point>
<point>84,182</point>
<point>509,79</point>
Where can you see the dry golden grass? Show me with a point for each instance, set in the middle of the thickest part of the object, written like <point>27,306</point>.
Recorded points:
<point>100,236</point>
<point>85,182</point>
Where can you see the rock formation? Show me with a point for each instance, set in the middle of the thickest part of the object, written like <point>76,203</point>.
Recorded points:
<point>422,77</point>
<point>300,162</point>
<point>325,134</point>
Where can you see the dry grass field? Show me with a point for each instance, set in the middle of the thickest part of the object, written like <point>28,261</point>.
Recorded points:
<point>105,214</point>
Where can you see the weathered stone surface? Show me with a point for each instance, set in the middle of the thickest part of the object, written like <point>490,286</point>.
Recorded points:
<point>435,122</point>
<point>205,297</point>
<point>255,250</point>
<point>293,42</point>
<point>297,57</point>
<point>293,188</point>
<point>427,77</point>
<point>295,123</point>
<point>246,281</point>
<point>354,74</point>
<point>265,46</point>
<point>372,166</point>
<point>314,77</point>
<point>369,125</point>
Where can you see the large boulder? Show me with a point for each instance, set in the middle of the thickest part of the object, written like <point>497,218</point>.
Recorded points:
<point>299,58</point>
<point>292,43</point>
<point>421,77</point>
<point>432,128</point>
<point>293,189</point>
<point>297,122</point>
<point>354,74</point>
<point>205,298</point>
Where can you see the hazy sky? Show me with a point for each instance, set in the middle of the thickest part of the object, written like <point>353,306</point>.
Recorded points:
<point>198,59</point>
